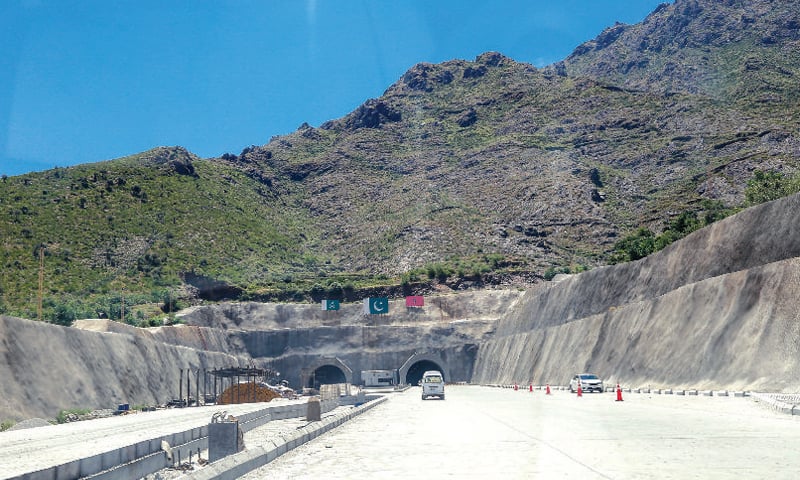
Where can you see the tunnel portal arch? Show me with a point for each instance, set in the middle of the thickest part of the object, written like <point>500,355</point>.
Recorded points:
<point>324,375</point>
<point>324,371</point>
<point>419,363</point>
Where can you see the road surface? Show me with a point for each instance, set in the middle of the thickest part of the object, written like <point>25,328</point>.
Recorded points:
<point>483,432</point>
<point>34,449</point>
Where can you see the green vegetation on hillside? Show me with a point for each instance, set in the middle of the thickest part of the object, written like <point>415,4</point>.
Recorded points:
<point>762,187</point>
<point>643,242</point>
<point>768,186</point>
<point>464,173</point>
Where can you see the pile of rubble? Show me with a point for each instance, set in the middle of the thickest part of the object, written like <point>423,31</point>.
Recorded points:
<point>68,417</point>
<point>251,392</point>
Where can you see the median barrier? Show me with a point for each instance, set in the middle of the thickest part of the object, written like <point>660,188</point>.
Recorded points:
<point>239,464</point>
<point>147,456</point>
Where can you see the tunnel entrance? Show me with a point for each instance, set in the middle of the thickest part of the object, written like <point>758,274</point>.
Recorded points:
<point>325,375</point>
<point>416,370</point>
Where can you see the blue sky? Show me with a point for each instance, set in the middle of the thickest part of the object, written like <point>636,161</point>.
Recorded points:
<point>88,80</point>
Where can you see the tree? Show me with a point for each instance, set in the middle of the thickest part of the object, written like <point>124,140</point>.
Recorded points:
<point>62,312</point>
<point>636,246</point>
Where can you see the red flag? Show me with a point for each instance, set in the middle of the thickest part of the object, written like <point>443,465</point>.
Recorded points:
<point>415,301</point>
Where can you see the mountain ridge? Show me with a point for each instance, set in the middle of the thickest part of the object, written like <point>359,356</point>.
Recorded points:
<point>458,170</point>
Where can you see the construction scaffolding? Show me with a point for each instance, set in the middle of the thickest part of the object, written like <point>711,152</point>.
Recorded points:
<point>219,380</point>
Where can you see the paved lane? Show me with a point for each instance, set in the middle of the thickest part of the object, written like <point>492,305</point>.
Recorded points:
<point>481,432</point>
<point>33,449</point>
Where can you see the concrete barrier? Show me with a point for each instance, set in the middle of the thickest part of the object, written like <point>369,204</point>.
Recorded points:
<point>146,457</point>
<point>239,464</point>
<point>774,402</point>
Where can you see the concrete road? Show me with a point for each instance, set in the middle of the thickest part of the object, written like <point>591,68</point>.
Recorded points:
<point>483,432</point>
<point>29,450</point>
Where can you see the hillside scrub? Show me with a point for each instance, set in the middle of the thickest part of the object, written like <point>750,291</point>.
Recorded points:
<point>639,137</point>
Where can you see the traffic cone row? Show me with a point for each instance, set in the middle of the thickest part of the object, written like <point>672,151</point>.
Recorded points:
<point>579,391</point>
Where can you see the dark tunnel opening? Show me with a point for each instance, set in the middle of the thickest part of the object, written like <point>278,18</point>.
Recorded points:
<point>326,374</point>
<point>414,374</point>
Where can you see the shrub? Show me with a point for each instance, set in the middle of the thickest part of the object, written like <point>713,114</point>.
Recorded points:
<point>636,246</point>
<point>64,415</point>
<point>768,186</point>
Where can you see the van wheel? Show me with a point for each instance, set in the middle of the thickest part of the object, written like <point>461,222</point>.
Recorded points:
<point>423,397</point>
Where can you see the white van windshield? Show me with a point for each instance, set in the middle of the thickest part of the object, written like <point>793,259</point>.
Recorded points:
<point>433,379</point>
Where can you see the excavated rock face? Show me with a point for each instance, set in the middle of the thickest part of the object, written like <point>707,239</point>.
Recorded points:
<point>714,310</point>
<point>292,338</point>
<point>46,368</point>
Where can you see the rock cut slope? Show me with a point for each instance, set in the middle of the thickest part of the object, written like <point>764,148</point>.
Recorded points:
<point>717,309</point>
<point>46,368</point>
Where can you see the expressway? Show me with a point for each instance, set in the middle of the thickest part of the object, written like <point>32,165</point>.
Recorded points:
<point>484,432</point>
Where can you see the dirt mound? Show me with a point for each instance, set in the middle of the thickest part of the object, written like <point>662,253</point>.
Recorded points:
<point>250,392</point>
<point>31,423</point>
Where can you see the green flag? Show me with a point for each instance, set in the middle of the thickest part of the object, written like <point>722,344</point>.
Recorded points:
<point>376,305</point>
<point>330,304</point>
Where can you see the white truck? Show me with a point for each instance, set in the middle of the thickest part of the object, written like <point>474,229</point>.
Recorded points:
<point>377,378</point>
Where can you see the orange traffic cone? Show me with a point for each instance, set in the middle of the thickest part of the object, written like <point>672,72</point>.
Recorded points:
<point>619,393</point>
<point>547,392</point>
<point>580,390</point>
<point>530,387</point>
<point>515,386</point>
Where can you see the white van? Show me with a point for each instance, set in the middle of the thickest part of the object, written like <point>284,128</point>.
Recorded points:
<point>432,384</point>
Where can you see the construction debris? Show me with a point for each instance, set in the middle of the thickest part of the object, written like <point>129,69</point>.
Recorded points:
<point>249,392</point>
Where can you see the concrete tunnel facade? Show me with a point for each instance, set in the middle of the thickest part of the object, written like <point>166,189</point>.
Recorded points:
<point>327,370</point>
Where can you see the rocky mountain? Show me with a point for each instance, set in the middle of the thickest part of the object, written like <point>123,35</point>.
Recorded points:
<point>458,170</point>
<point>733,51</point>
